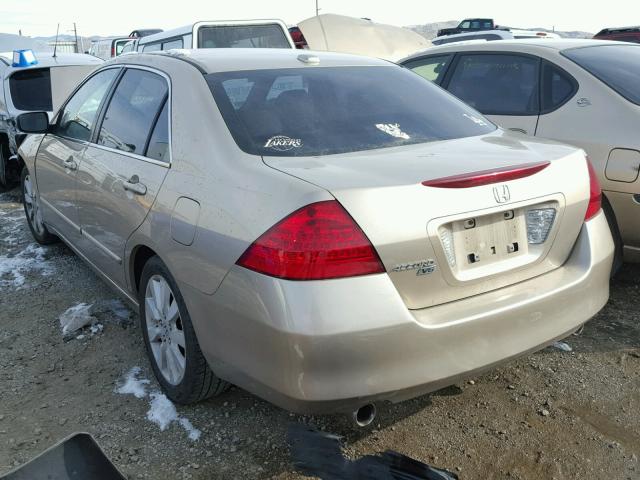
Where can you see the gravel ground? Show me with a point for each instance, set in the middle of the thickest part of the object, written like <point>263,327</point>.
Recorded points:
<point>554,414</point>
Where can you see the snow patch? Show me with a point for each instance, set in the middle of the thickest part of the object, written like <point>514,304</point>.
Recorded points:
<point>161,411</point>
<point>76,317</point>
<point>565,347</point>
<point>132,385</point>
<point>193,432</point>
<point>13,268</point>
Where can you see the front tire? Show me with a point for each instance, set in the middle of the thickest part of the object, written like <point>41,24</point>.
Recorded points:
<point>170,340</point>
<point>31,203</point>
<point>5,183</point>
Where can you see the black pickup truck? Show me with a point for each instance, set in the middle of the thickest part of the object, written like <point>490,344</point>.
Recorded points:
<point>470,25</point>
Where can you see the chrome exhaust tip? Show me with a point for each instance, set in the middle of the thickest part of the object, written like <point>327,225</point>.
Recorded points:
<point>364,415</point>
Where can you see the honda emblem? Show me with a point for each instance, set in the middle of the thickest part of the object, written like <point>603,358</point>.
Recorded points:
<point>501,193</point>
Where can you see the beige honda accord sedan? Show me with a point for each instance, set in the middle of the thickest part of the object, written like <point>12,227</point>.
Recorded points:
<point>324,230</point>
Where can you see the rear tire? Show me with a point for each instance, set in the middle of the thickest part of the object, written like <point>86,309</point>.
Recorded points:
<point>31,204</point>
<point>170,340</point>
<point>615,233</point>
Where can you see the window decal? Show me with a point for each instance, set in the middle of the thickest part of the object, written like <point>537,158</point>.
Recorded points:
<point>282,143</point>
<point>392,129</point>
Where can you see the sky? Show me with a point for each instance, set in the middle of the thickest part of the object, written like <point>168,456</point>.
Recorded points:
<point>119,17</point>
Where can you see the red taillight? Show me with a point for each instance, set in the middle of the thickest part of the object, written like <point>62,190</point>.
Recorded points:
<point>316,242</point>
<point>595,193</point>
<point>486,177</point>
<point>298,37</point>
<point>113,52</point>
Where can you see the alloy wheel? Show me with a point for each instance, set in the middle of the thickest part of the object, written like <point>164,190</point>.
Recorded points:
<point>165,330</point>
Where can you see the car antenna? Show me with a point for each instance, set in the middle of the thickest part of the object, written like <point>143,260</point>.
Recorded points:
<point>55,45</point>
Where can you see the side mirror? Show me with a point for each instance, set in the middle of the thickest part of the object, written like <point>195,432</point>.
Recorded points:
<point>33,122</point>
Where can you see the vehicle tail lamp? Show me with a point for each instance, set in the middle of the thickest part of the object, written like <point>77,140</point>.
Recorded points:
<point>595,193</point>
<point>316,242</point>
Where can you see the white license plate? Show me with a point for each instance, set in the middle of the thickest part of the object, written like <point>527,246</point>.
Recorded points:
<point>489,239</point>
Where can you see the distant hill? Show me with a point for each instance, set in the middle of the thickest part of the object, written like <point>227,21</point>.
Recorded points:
<point>430,30</point>
<point>10,42</point>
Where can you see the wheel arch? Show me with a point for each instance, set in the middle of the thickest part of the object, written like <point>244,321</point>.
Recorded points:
<point>139,257</point>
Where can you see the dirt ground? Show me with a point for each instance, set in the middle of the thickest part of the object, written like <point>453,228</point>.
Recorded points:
<point>551,415</point>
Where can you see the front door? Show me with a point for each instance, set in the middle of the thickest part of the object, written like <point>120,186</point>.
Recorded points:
<point>123,168</point>
<point>504,87</point>
<point>60,154</point>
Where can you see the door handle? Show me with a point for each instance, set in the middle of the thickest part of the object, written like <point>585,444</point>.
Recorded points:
<point>133,185</point>
<point>70,164</point>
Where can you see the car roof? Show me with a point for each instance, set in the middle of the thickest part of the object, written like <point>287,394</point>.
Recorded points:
<point>46,59</point>
<point>557,44</point>
<point>214,60</point>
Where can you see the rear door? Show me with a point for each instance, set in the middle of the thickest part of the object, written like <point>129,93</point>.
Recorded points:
<point>124,167</point>
<point>61,152</point>
<point>502,86</point>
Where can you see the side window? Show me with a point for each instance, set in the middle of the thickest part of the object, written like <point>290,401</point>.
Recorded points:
<point>158,148</point>
<point>431,68</point>
<point>557,87</point>
<point>151,47</point>
<point>497,84</point>
<point>466,24</point>
<point>177,43</point>
<point>79,114</point>
<point>132,111</point>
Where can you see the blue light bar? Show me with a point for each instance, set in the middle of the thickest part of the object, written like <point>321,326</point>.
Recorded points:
<point>24,58</point>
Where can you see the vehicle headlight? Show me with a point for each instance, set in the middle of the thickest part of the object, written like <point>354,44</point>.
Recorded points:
<point>539,223</point>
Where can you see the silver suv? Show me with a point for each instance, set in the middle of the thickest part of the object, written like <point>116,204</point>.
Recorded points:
<point>33,82</point>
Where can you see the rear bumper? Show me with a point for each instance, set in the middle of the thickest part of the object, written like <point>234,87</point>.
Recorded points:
<point>327,346</point>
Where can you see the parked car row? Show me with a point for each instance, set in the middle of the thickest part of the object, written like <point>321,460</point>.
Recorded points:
<point>325,230</point>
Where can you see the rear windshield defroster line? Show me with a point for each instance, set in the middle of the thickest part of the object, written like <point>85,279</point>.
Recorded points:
<point>328,110</point>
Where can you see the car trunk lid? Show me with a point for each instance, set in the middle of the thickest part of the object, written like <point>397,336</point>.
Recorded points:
<point>441,244</point>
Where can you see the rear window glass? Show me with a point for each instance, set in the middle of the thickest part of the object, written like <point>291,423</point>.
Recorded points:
<point>321,111</point>
<point>242,36</point>
<point>618,66</point>
<point>31,89</point>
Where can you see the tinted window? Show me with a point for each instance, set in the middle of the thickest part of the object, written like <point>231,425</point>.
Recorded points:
<point>242,36</point>
<point>177,43</point>
<point>31,89</point>
<point>321,111</point>
<point>616,65</point>
<point>132,111</point>
<point>79,114</point>
<point>159,143</point>
<point>431,68</point>
<point>497,84</point>
<point>152,47</point>
<point>558,87</point>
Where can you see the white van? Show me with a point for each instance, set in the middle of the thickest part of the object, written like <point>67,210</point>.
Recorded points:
<point>221,34</point>
<point>108,48</point>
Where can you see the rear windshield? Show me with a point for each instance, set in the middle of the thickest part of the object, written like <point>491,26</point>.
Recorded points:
<point>243,36</point>
<point>31,89</point>
<point>322,111</point>
<point>616,65</point>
